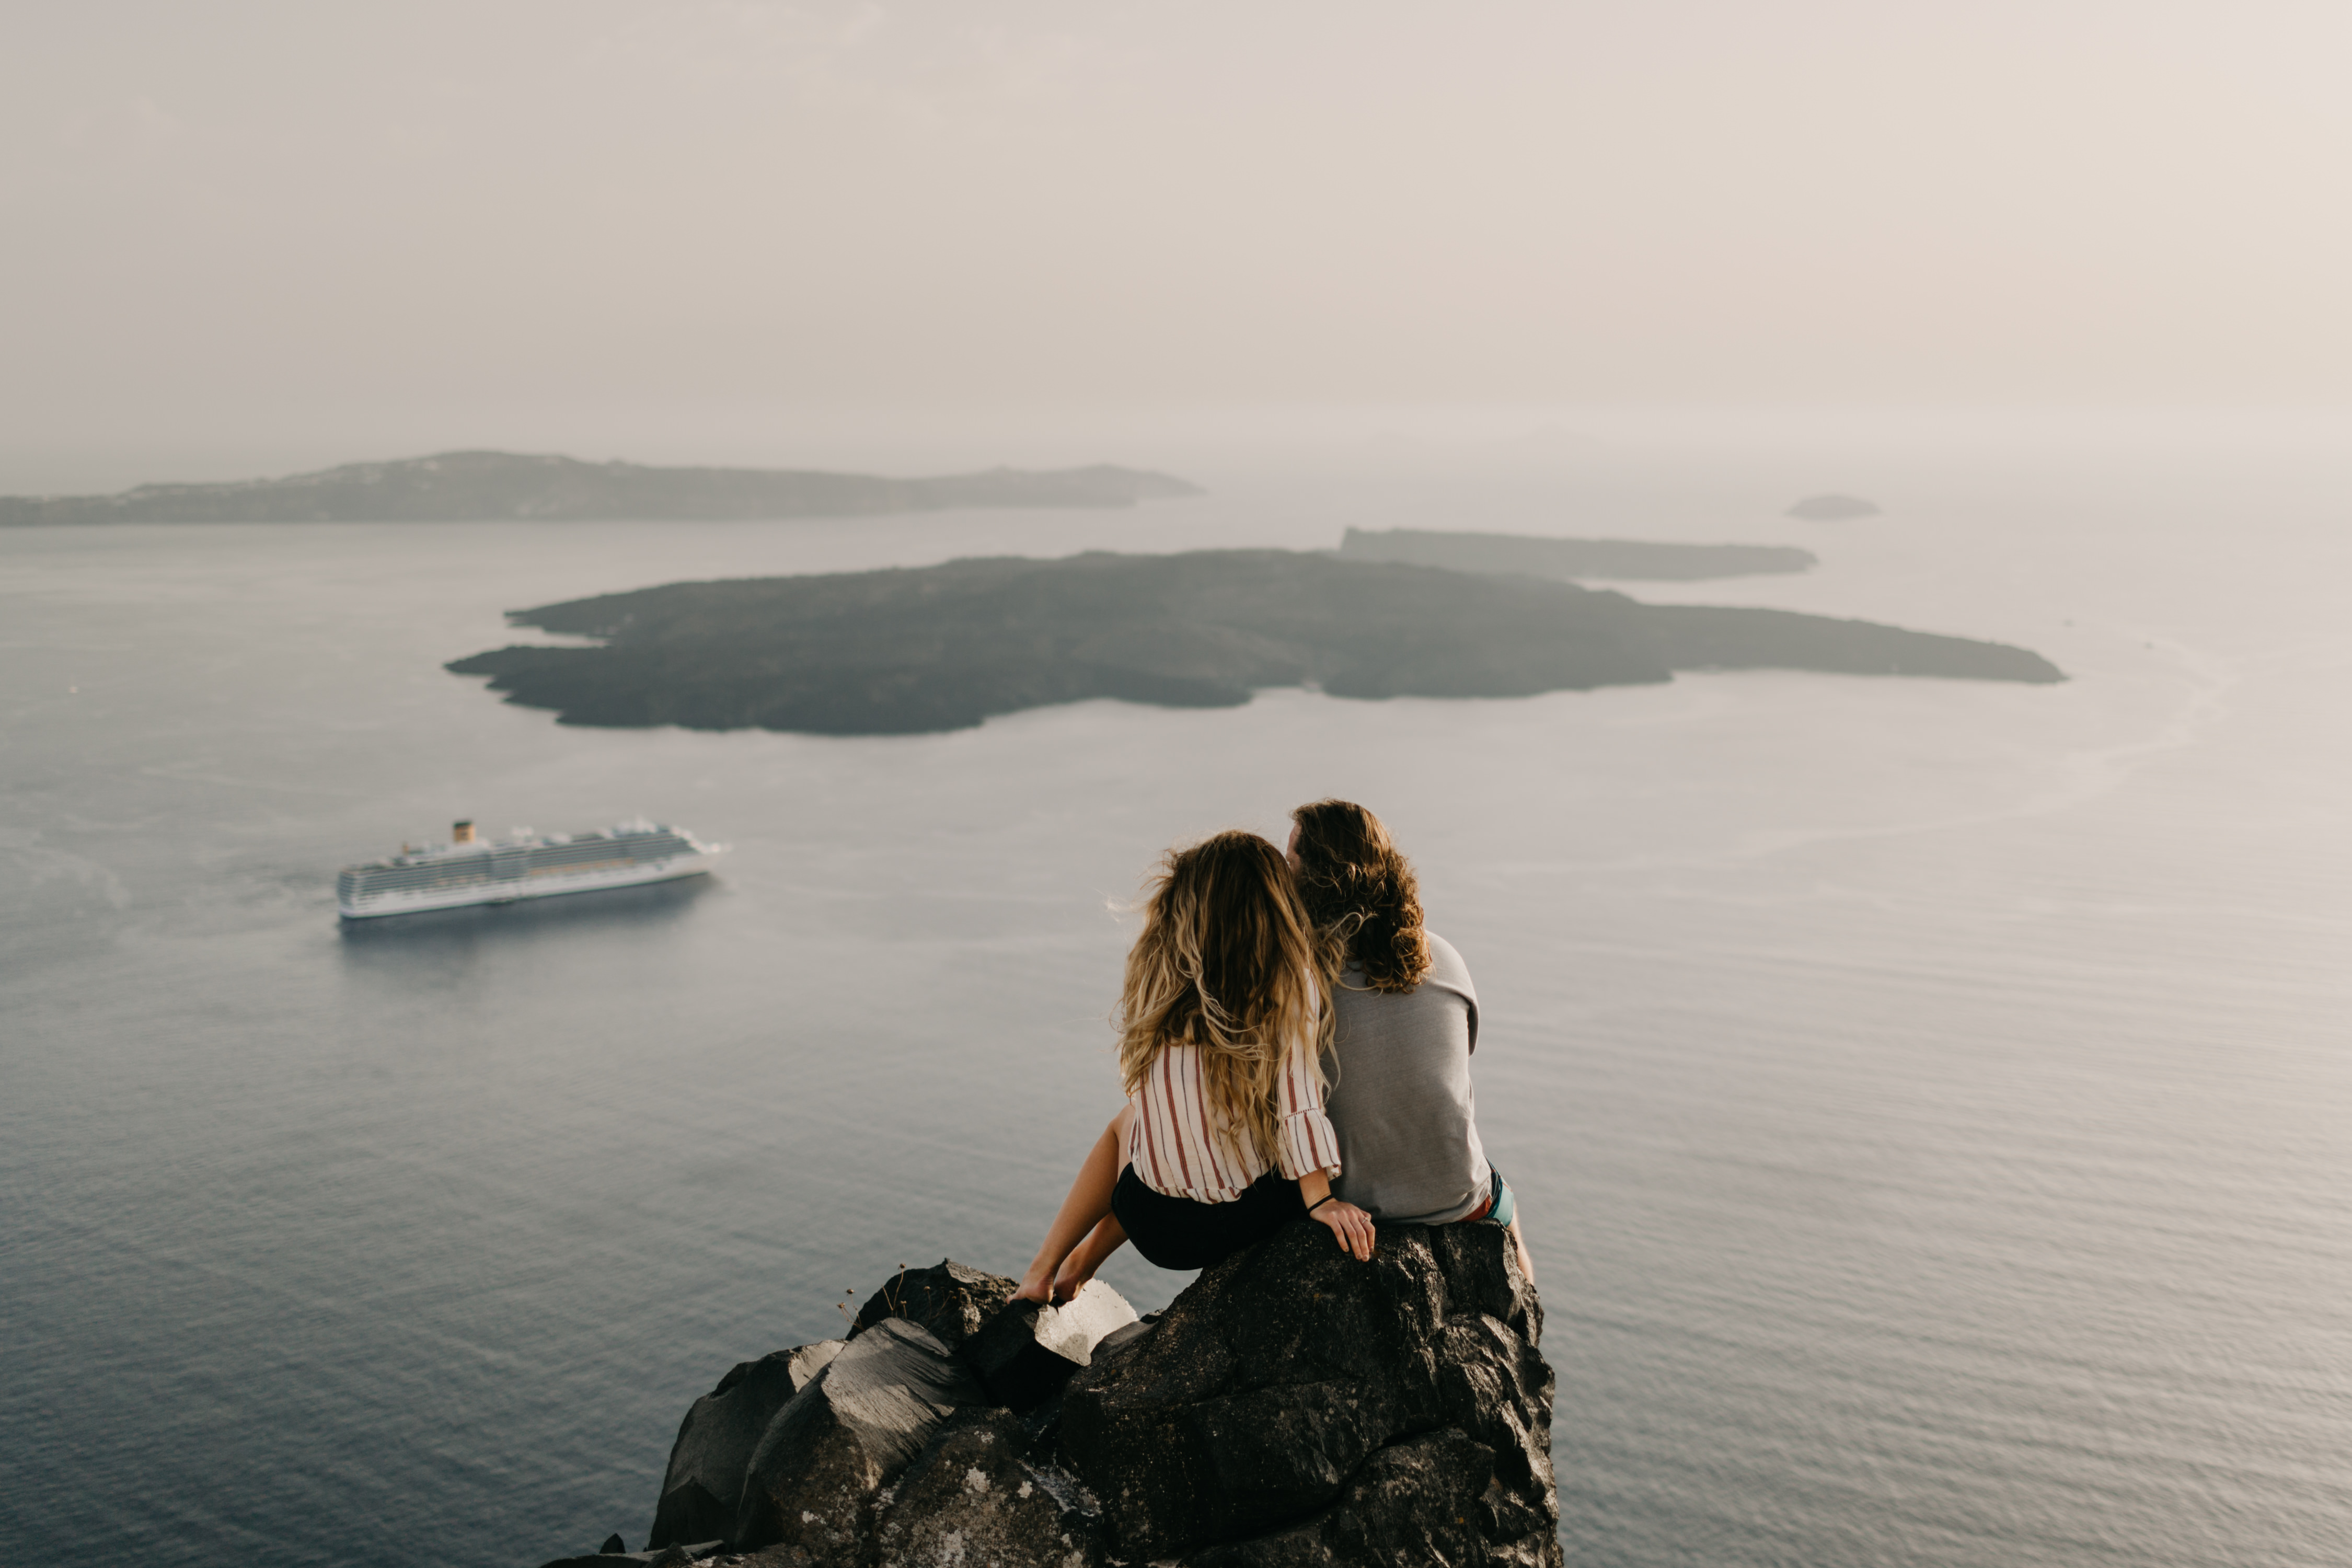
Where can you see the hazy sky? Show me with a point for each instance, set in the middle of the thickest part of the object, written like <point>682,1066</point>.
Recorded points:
<point>221,215</point>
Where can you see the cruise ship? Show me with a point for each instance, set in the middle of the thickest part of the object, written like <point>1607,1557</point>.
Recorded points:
<point>525,865</point>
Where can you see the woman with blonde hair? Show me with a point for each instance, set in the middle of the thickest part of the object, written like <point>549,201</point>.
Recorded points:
<point>1222,1140</point>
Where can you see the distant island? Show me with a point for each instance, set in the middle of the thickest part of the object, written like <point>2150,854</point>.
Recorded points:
<point>942,647</point>
<point>477,487</point>
<point>1834,508</point>
<point>1535,556</point>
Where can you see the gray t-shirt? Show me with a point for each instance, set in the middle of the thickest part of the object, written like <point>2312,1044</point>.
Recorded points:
<point>1401,1096</point>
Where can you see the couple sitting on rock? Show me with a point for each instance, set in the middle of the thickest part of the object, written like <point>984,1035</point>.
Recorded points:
<point>1293,1044</point>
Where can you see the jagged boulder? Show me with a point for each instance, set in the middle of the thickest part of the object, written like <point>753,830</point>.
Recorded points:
<point>703,1486</point>
<point>1294,1408</point>
<point>949,1298</point>
<point>1415,1500</point>
<point>982,1492</point>
<point>1295,1405</point>
<point>812,1482</point>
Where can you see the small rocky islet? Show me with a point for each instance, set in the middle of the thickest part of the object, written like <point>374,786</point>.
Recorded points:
<point>1834,508</point>
<point>1292,1406</point>
<point>911,650</point>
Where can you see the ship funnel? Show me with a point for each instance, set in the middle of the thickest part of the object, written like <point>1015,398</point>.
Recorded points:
<point>461,833</point>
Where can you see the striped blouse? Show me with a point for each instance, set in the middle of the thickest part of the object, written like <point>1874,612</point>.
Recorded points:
<point>1173,1151</point>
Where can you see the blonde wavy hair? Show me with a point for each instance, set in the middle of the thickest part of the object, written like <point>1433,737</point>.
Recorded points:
<point>1227,961</point>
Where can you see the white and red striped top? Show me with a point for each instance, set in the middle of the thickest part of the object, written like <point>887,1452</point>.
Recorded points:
<point>1173,1150</point>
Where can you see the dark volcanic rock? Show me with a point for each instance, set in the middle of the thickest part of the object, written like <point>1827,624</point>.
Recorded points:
<point>1534,556</point>
<point>1027,1351</point>
<point>978,1495</point>
<point>612,1556</point>
<point>943,647</point>
<point>1292,1407</point>
<point>949,1298</point>
<point>1415,1500</point>
<point>812,1482</point>
<point>1261,1401</point>
<point>1119,1338</point>
<point>465,487</point>
<point>703,1486</point>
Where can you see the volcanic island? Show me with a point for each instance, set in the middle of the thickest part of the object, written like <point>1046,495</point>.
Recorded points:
<point>920,650</point>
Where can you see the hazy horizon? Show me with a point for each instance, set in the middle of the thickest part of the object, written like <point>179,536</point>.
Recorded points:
<point>264,238</point>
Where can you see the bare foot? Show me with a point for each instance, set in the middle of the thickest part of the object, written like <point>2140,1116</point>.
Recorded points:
<point>1037,1285</point>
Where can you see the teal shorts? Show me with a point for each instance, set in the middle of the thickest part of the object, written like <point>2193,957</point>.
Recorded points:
<point>1501,1206</point>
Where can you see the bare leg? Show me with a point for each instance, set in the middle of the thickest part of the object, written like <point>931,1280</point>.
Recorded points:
<point>1527,1264</point>
<point>1079,1266</point>
<point>1086,1206</point>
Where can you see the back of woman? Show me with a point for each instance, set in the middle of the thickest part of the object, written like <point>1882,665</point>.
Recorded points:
<point>1222,1140</point>
<point>1405,1022</point>
<point>1218,1021</point>
<point>1401,1100</point>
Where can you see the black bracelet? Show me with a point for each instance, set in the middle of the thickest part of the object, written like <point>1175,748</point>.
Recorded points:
<point>1318,1203</point>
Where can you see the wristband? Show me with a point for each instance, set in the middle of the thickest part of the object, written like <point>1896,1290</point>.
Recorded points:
<point>1318,1203</point>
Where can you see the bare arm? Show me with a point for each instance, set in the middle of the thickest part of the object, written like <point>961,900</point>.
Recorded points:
<point>1084,1216</point>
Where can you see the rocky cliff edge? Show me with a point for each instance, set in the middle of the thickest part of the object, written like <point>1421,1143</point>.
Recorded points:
<point>1291,1408</point>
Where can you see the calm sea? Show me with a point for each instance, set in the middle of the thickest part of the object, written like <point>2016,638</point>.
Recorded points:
<point>1929,1100</point>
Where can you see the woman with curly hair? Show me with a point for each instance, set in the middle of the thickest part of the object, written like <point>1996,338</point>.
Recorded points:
<point>1222,1140</point>
<point>1405,1020</point>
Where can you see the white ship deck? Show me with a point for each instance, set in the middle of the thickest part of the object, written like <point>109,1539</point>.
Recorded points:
<point>522,866</point>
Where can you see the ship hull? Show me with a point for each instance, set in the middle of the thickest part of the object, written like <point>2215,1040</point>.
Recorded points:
<point>407,902</point>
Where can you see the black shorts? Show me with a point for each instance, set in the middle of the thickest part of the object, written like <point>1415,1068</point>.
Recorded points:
<point>1180,1233</point>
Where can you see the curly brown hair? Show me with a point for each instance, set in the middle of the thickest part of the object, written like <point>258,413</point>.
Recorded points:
<point>1361,893</point>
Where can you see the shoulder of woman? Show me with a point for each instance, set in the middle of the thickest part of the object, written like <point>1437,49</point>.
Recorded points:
<point>1444,961</point>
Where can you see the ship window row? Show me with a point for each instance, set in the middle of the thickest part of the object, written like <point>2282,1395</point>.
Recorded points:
<point>570,853</point>
<point>561,857</point>
<point>391,882</point>
<point>424,875</point>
